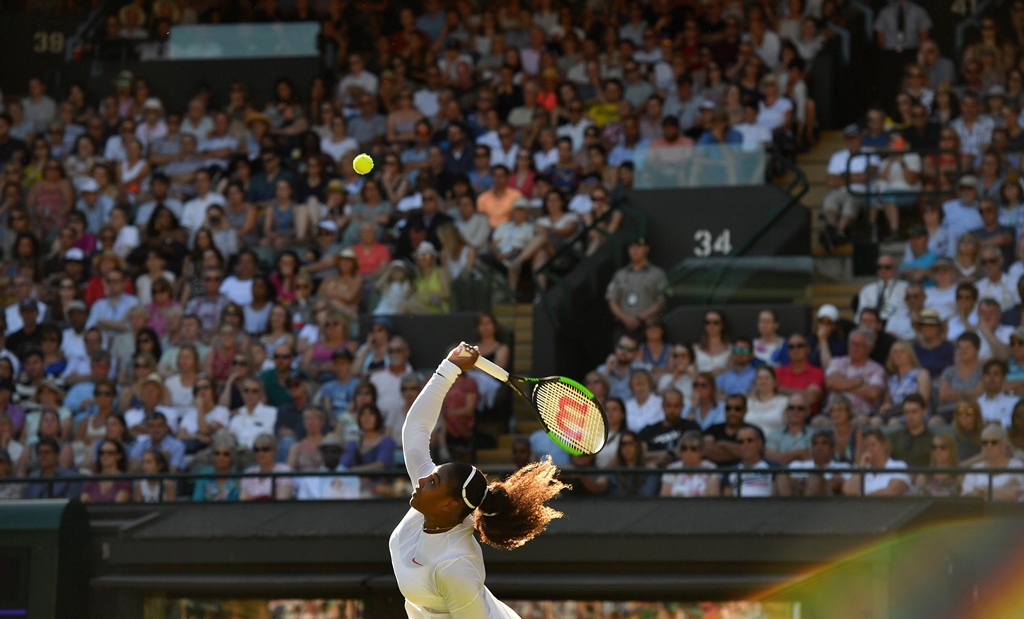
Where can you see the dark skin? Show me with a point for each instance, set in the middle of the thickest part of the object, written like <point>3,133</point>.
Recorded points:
<point>435,494</point>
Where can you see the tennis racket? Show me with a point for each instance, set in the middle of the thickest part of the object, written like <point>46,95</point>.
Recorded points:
<point>569,412</point>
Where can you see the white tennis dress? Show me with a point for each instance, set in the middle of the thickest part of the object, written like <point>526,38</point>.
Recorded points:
<point>440,574</point>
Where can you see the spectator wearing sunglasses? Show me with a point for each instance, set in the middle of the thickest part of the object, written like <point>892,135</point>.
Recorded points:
<point>793,441</point>
<point>266,488</point>
<point>739,378</point>
<point>253,417</point>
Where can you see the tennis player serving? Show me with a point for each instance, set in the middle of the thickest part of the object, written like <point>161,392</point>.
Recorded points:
<point>437,559</point>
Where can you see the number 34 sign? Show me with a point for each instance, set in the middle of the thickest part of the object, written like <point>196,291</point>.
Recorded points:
<point>707,243</point>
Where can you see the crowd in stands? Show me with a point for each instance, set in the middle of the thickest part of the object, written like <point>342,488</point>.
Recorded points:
<point>192,289</point>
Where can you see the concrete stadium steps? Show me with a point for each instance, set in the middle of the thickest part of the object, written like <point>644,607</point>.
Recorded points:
<point>840,294</point>
<point>518,318</point>
<point>814,163</point>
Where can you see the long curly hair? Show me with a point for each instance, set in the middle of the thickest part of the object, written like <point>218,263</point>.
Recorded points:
<point>513,511</point>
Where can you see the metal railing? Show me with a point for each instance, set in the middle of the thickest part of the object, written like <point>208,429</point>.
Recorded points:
<point>399,475</point>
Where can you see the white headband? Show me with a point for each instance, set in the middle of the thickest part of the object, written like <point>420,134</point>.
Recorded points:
<point>465,499</point>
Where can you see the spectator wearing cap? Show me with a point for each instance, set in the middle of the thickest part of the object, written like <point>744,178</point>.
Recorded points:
<point>856,375</point>
<point>901,324</point>
<point>153,127</point>
<point>94,205</point>
<point>848,171</point>
<point>918,258</point>
<point>635,292</point>
<point>326,487</point>
<point>55,482</point>
<point>885,294</point>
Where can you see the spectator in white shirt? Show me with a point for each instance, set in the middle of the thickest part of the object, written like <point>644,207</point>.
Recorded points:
<point>328,487</point>
<point>339,143</point>
<point>196,123</point>
<point>996,405</point>
<point>358,79</point>
<point>644,408</point>
<point>238,286</point>
<point>754,135</point>
<point>996,285</point>
<point>876,456</point>
<point>193,213</point>
<point>253,417</point>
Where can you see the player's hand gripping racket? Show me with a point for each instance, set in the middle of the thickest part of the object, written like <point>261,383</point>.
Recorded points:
<point>570,414</point>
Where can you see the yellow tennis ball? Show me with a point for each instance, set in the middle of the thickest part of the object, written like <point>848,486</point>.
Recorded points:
<point>363,164</point>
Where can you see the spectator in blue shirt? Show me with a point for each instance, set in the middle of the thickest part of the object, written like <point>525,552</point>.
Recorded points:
<point>739,378</point>
<point>67,487</point>
<point>158,435</point>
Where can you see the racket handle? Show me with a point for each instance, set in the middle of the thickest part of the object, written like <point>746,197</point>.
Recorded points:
<point>492,368</point>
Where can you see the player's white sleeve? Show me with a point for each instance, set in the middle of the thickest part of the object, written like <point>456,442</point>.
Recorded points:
<point>422,418</point>
<point>461,584</point>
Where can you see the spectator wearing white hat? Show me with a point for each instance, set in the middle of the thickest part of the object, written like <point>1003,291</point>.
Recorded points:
<point>829,337</point>
<point>153,126</point>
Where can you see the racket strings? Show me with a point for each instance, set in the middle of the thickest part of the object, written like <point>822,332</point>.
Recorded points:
<point>571,415</point>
